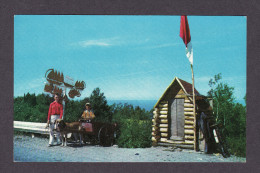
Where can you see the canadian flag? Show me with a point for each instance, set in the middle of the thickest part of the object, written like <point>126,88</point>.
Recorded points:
<point>185,35</point>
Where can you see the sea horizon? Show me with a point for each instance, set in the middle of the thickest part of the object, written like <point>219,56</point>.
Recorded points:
<point>149,104</point>
<point>144,104</point>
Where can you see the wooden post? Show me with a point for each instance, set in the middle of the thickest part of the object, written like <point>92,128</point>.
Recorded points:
<point>194,110</point>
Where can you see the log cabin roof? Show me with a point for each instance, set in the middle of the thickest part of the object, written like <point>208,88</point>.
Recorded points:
<point>187,88</point>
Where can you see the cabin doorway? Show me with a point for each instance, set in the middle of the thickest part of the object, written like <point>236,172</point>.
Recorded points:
<point>176,119</point>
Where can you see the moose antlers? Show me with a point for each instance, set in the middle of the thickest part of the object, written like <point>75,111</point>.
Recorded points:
<point>56,79</point>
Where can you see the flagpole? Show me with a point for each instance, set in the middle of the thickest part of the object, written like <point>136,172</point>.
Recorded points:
<point>185,35</point>
<point>194,109</point>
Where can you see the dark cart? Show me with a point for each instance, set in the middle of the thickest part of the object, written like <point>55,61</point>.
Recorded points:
<point>98,133</point>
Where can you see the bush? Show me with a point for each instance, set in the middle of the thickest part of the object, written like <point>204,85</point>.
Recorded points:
<point>135,134</point>
<point>135,126</point>
<point>237,145</point>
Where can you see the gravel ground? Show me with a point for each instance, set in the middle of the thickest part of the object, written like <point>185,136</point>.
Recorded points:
<point>28,149</point>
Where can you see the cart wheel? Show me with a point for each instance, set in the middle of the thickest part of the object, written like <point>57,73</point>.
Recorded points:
<point>104,137</point>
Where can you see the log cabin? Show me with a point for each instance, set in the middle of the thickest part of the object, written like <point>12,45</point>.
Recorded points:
<point>173,117</point>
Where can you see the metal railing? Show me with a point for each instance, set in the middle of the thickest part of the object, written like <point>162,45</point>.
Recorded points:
<point>31,127</point>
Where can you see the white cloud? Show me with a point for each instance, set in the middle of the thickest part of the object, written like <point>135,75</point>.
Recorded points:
<point>94,43</point>
<point>99,42</point>
<point>88,43</point>
<point>162,45</point>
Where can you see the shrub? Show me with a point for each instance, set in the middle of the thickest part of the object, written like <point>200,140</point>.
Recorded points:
<point>134,126</point>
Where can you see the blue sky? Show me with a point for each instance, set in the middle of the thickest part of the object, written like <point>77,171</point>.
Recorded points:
<point>128,57</point>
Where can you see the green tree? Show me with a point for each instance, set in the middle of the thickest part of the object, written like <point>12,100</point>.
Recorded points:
<point>230,114</point>
<point>30,99</point>
<point>99,104</point>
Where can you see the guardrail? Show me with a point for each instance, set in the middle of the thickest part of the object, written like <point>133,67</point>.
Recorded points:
<point>31,127</point>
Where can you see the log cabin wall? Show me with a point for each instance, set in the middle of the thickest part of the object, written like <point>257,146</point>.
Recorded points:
<point>161,122</point>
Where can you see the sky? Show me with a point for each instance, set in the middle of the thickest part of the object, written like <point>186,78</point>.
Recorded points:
<point>128,57</point>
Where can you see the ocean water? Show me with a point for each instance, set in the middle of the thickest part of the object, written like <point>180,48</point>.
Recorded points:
<point>144,104</point>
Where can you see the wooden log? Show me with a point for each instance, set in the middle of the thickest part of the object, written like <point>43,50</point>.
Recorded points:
<point>155,128</point>
<point>188,105</point>
<point>189,118</point>
<point>155,112</point>
<point>187,101</point>
<point>163,109</point>
<point>163,105</point>
<point>164,134</point>
<point>163,125</point>
<point>164,121</point>
<point>163,116</point>
<point>157,137</point>
<point>155,115</point>
<point>179,96</point>
<point>188,113</point>
<point>156,120</point>
<point>163,129</point>
<point>188,127</point>
<point>185,146</point>
<point>189,142</point>
<point>175,142</point>
<point>163,139</point>
<point>188,109</point>
<point>163,101</point>
<point>163,112</point>
<point>188,131</point>
<point>189,137</point>
<point>156,133</point>
<point>189,122</point>
<point>154,139</point>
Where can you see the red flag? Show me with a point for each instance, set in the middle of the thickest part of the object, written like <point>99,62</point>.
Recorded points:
<point>185,30</point>
<point>185,35</point>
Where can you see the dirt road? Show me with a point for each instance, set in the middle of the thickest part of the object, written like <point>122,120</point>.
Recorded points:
<point>28,149</point>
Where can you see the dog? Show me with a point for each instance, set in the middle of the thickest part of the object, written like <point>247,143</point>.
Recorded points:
<point>65,128</point>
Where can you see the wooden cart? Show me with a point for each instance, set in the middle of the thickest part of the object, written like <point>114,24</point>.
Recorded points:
<point>97,132</point>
